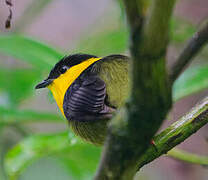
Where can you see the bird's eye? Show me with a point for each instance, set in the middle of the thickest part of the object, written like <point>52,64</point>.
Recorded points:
<point>63,69</point>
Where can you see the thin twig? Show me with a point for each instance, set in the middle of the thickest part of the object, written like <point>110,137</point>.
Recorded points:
<point>188,157</point>
<point>193,46</point>
<point>177,132</point>
<point>9,18</point>
<point>9,3</point>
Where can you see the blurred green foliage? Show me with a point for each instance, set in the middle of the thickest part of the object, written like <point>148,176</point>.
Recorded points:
<point>79,158</point>
<point>15,86</point>
<point>13,115</point>
<point>193,80</point>
<point>33,52</point>
<point>111,42</point>
<point>65,146</point>
<point>180,30</point>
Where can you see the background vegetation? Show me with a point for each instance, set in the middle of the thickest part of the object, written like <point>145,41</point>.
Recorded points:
<point>35,142</point>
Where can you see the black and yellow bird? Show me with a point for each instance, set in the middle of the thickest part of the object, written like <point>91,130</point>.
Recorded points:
<point>88,90</point>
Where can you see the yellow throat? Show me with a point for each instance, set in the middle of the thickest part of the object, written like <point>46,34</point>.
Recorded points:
<point>60,85</point>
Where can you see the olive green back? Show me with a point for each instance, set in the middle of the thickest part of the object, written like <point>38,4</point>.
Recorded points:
<point>114,71</point>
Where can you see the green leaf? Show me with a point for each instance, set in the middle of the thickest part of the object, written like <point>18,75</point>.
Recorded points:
<point>33,148</point>
<point>18,84</point>
<point>81,160</point>
<point>105,43</point>
<point>36,53</point>
<point>9,115</point>
<point>46,168</point>
<point>194,79</point>
<point>181,30</point>
<point>81,157</point>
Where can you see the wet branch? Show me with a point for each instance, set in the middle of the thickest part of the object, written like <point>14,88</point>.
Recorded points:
<point>176,134</point>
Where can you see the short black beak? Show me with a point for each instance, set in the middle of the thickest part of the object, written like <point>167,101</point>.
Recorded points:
<point>44,83</point>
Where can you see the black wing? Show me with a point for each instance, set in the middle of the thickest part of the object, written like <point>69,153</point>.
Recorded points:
<point>85,100</point>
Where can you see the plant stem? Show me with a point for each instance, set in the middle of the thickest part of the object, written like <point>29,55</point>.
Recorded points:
<point>188,157</point>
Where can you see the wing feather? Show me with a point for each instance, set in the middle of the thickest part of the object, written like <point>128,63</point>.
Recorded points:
<point>85,100</point>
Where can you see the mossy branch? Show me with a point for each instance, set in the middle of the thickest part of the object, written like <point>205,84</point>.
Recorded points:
<point>193,46</point>
<point>150,93</point>
<point>156,28</point>
<point>135,13</point>
<point>177,133</point>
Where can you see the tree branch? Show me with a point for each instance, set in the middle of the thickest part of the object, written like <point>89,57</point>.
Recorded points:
<point>156,28</point>
<point>188,157</point>
<point>193,46</point>
<point>150,93</point>
<point>177,133</point>
<point>135,11</point>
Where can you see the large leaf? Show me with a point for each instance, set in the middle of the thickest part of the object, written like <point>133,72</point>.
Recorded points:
<point>194,79</point>
<point>81,160</point>
<point>81,157</point>
<point>32,148</point>
<point>9,115</point>
<point>31,51</point>
<point>46,168</point>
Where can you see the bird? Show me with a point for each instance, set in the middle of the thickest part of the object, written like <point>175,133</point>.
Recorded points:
<point>88,91</point>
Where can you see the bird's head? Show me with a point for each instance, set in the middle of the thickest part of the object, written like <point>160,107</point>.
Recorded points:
<point>64,73</point>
